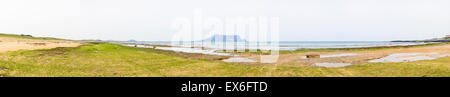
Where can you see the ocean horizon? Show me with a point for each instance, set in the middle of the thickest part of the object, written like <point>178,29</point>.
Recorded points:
<point>283,45</point>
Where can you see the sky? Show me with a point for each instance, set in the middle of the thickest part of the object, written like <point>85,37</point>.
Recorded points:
<point>300,20</point>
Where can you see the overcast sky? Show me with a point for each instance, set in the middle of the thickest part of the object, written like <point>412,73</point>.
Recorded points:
<point>300,20</point>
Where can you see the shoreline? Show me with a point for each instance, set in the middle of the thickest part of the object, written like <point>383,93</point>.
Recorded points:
<point>330,57</point>
<point>111,59</point>
<point>246,51</point>
<point>381,47</point>
<point>368,47</point>
<point>285,45</point>
<point>357,56</point>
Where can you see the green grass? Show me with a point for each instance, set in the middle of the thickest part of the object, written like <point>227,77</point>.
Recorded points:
<point>27,37</point>
<point>112,60</point>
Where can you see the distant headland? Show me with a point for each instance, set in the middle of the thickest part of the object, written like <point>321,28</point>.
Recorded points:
<point>443,39</point>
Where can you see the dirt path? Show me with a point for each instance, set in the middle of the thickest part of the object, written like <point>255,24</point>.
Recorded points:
<point>13,44</point>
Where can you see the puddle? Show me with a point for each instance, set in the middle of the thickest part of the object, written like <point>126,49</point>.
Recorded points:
<point>194,50</point>
<point>238,59</point>
<point>144,46</point>
<point>336,55</point>
<point>408,57</point>
<point>140,46</point>
<point>332,65</point>
<point>185,50</point>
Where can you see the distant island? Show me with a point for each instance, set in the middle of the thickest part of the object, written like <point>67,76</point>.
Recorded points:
<point>224,38</point>
<point>443,39</point>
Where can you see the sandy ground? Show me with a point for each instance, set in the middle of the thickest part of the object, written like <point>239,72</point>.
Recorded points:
<point>13,44</point>
<point>355,57</point>
<point>238,59</point>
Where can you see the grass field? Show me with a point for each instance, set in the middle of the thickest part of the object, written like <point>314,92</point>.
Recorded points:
<point>27,37</point>
<point>112,60</point>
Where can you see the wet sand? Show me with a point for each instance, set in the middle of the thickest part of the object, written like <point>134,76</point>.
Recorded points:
<point>238,59</point>
<point>408,57</point>
<point>356,57</point>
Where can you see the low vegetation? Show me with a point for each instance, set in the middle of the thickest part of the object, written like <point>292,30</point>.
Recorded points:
<point>113,60</point>
<point>27,37</point>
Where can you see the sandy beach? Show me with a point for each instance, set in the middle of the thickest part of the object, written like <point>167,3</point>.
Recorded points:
<point>13,44</point>
<point>364,56</point>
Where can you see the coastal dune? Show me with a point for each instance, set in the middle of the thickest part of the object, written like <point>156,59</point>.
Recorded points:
<point>13,44</point>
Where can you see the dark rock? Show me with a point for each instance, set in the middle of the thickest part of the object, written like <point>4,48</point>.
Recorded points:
<point>26,35</point>
<point>312,56</point>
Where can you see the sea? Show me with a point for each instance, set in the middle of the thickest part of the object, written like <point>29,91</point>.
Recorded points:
<point>283,45</point>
